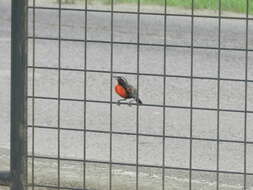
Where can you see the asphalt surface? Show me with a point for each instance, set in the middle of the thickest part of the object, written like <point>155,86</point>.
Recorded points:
<point>177,122</point>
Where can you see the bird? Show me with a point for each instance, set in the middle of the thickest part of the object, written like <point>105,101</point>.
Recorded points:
<point>126,91</point>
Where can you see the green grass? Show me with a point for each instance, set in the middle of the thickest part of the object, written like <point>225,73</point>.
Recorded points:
<point>226,5</point>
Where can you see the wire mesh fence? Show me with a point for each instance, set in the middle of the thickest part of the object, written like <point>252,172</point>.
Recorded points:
<point>192,70</point>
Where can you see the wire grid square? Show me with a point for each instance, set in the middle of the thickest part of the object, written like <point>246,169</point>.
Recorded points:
<point>98,56</point>
<point>72,115</point>
<point>203,36</point>
<point>42,28</point>
<point>121,55</point>
<point>157,35</point>
<point>121,33</point>
<point>39,113</point>
<point>178,61</point>
<point>69,28</point>
<point>177,122</point>
<point>205,63</point>
<point>72,52</point>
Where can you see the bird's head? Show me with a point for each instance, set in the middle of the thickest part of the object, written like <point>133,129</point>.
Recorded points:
<point>121,80</point>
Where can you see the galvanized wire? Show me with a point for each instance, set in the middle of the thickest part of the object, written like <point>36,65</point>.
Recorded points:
<point>164,94</point>
<point>191,95</point>
<point>218,99</point>
<point>192,47</point>
<point>111,88</point>
<point>85,89</point>
<point>246,96</point>
<point>33,90</point>
<point>59,100</point>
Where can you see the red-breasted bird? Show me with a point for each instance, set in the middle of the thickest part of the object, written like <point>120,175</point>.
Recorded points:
<point>126,91</point>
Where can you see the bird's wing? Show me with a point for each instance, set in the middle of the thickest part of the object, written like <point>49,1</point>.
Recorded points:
<point>131,91</point>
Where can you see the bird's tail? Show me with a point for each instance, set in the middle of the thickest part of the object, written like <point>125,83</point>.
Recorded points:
<point>138,100</point>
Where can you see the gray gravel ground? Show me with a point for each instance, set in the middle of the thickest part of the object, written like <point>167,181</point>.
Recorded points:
<point>151,92</point>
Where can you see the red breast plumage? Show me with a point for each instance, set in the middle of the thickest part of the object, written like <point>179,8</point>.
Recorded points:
<point>121,91</point>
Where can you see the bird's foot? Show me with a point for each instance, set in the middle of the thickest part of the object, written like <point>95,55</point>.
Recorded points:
<point>118,102</point>
<point>130,103</point>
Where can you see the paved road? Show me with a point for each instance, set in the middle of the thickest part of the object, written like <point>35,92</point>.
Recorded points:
<point>177,121</point>
<point>5,72</point>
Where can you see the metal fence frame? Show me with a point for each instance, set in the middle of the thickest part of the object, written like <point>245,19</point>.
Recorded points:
<point>17,177</point>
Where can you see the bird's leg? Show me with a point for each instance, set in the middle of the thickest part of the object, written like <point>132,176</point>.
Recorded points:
<point>129,103</point>
<point>118,102</point>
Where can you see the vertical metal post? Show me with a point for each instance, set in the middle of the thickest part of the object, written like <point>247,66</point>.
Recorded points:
<point>18,95</point>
